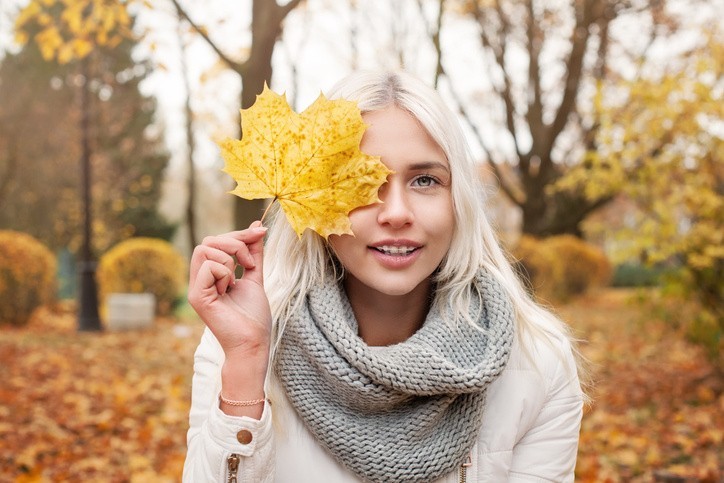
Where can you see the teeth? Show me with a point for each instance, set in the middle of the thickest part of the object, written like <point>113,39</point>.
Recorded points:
<point>390,250</point>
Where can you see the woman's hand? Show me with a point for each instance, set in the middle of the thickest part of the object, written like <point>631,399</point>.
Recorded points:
<point>236,310</point>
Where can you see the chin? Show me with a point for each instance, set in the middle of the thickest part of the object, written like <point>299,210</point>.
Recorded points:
<point>396,291</point>
<point>398,288</point>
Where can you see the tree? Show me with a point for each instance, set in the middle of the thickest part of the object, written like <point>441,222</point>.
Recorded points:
<point>43,131</point>
<point>190,140</point>
<point>64,32</point>
<point>266,27</point>
<point>544,59</point>
<point>658,145</point>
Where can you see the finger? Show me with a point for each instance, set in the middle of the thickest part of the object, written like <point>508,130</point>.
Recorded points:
<point>247,235</point>
<point>237,242</point>
<point>230,245</point>
<point>233,243</point>
<point>256,250</point>
<point>213,280</point>
<point>205,252</point>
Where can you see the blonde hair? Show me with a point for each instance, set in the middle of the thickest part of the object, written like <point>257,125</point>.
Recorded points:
<point>293,265</point>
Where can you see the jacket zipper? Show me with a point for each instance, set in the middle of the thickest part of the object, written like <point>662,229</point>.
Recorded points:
<point>233,465</point>
<point>464,468</point>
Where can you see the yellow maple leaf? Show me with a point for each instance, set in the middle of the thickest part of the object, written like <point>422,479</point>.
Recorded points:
<point>309,162</point>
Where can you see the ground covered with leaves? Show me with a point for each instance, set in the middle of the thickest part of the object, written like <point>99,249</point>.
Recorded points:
<point>113,407</point>
<point>657,411</point>
<point>108,406</point>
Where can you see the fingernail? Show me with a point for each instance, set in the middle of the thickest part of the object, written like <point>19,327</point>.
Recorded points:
<point>259,229</point>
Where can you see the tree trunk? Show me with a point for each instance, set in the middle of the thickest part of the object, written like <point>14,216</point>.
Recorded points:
<point>266,27</point>
<point>190,143</point>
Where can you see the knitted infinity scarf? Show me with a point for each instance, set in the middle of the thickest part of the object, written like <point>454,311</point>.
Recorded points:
<point>406,412</point>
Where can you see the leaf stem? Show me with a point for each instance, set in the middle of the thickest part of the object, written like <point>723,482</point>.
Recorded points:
<point>267,209</point>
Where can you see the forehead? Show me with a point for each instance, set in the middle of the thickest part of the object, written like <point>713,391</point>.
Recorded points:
<point>394,133</point>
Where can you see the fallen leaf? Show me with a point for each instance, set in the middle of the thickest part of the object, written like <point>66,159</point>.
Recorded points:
<point>309,162</point>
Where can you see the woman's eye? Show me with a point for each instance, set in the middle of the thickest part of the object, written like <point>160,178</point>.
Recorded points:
<point>424,181</point>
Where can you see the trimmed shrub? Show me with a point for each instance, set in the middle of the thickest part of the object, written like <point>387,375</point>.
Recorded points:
<point>27,276</point>
<point>583,265</point>
<point>139,265</point>
<point>561,267</point>
<point>536,265</point>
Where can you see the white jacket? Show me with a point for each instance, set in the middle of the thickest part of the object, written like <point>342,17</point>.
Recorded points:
<point>529,432</point>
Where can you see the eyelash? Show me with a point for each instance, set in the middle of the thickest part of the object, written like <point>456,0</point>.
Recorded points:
<point>427,176</point>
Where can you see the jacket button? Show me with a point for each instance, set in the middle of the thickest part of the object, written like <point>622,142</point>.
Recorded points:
<point>244,436</point>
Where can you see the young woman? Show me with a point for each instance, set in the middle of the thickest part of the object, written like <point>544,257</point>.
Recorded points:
<point>408,352</point>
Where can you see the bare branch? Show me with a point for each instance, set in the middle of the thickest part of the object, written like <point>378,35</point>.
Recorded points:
<point>505,92</point>
<point>190,140</point>
<point>574,70</point>
<point>292,56</point>
<point>434,33</point>
<point>237,66</point>
<point>506,185</point>
<point>285,9</point>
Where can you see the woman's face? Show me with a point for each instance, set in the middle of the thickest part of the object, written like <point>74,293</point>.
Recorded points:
<point>400,242</point>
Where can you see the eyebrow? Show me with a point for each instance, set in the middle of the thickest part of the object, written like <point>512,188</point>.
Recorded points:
<point>430,165</point>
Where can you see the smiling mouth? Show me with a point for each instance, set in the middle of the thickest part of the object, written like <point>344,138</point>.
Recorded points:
<point>397,251</point>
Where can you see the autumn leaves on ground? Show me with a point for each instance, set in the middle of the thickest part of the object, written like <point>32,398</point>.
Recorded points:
<point>113,407</point>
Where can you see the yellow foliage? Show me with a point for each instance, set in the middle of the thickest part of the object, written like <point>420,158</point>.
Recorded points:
<point>659,145</point>
<point>71,28</point>
<point>582,265</point>
<point>139,265</point>
<point>561,267</point>
<point>27,276</point>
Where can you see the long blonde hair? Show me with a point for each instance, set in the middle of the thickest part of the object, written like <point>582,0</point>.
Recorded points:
<point>293,265</point>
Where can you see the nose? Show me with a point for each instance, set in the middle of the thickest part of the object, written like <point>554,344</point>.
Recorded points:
<point>395,209</point>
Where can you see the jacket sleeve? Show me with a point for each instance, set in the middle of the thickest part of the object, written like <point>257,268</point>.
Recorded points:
<point>547,451</point>
<point>212,436</point>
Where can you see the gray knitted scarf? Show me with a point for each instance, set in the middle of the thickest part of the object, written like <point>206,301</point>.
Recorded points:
<point>409,412</point>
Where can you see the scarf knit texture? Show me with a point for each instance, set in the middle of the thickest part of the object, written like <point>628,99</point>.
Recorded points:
<point>409,412</point>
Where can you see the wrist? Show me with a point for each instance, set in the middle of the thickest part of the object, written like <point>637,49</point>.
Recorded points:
<point>247,356</point>
<point>244,377</point>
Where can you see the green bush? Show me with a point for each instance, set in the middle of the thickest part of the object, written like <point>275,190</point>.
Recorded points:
<point>139,265</point>
<point>27,277</point>
<point>638,275</point>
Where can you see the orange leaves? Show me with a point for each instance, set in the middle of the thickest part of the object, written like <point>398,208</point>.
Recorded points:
<point>309,162</point>
<point>94,407</point>
<point>657,399</point>
<point>114,406</point>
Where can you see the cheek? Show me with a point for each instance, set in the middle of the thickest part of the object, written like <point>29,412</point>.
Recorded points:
<point>441,215</point>
<point>444,223</point>
<point>343,247</point>
<point>361,218</point>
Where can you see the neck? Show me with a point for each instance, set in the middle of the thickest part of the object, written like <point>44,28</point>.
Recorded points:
<point>387,319</point>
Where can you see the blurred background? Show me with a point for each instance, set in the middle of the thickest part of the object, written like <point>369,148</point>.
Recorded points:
<point>598,129</point>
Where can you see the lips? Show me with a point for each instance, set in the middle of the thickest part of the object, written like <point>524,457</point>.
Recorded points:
<point>396,254</point>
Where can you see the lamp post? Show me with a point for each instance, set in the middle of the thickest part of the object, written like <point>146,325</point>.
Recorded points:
<point>79,29</point>
<point>88,319</point>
